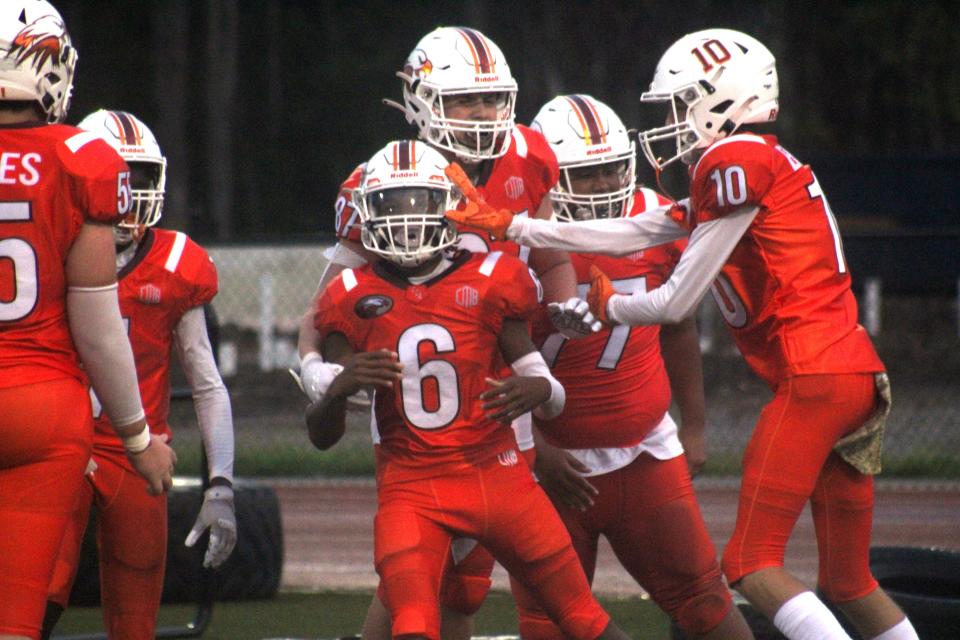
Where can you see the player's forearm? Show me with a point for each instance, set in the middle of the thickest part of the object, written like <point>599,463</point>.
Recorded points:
<point>680,347</point>
<point>711,243</point>
<point>617,236</point>
<point>326,420</point>
<point>211,400</point>
<point>102,344</point>
<point>556,274</point>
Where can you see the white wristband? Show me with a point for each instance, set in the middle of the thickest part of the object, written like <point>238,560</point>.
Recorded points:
<point>139,442</point>
<point>533,364</point>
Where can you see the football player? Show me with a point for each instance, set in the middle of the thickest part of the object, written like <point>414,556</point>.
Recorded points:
<point>762,233</point>
<point>61,191</point>
<point>165,278</point>
<point>460,94</point>
<point>427,330</point>
<point>613,463</point>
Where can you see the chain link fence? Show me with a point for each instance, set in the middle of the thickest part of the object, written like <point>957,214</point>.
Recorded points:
<point>264,291</point>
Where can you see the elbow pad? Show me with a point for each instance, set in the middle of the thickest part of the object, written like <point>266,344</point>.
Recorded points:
<point>102,344</point>
<point>533,364</point>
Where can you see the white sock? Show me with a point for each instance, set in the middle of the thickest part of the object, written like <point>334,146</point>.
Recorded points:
<point>903,630</point>
<point>805,617</point>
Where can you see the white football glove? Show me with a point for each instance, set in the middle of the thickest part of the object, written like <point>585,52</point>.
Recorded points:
<point>217,513</point>
<point>316,376</point>
<point>573,318</point>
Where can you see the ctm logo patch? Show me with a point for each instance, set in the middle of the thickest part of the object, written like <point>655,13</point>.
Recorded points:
<point>467,297</point>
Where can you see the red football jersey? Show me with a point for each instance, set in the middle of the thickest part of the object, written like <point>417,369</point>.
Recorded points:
<point>52,179</point>
<point>617,386</point>
<point>785,290</point>
<point>518,181</point>
<point>445,332</point>
<point>168,275</point>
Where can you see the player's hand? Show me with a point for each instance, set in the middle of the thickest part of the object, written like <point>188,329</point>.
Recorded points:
<point>316,376</point>
<point>694,449</point>
<point>599,294</point>
<point>477,213</point>
<point>506,400</point>
<point>573,318</point>
<point>155,464</point>
<point>380,368</point>
<point>218,514</point>
<point>561,476</point>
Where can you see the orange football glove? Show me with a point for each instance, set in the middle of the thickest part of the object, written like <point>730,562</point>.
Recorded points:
<point>477,214</point>
<point>599,294</point>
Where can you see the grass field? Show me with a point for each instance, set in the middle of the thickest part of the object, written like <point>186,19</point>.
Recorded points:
<point>336,614</point>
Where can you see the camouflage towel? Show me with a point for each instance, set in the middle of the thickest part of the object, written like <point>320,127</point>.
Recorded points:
<point>863,448</point>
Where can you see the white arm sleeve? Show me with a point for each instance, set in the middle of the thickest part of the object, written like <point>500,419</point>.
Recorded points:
<point>534,365</point>
<point>711,243</point>
<point>210,398</point>
<point>614,236</point>
<point>102,344</point>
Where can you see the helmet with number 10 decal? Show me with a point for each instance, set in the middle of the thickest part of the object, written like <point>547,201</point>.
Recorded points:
<point>714,81</point>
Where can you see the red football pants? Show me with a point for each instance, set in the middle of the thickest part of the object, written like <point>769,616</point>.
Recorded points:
<point>649,513</point>
<point>132,542</point>
<point>503,508</point>
<point>466,581</point>
<point>789,461</point>
<point>46,433</point>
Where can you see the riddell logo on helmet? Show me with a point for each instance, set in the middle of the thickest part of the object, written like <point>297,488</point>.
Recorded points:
<point>591,152</point>
<point>403,174</point>
<point>486,78</point>
<point>131,150</point>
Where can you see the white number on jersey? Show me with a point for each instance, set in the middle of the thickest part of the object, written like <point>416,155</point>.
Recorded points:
<point>24,262</point>
<point>617,338</point>
<point>416,374</point>
<point>731,186</point>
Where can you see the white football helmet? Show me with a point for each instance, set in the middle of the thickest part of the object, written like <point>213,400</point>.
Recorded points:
<point>402,199</point>
<point>458,60</point>
<point>584,132</point>
<point>37,60</point>
<point>722,79</point>
<point>136,144</point>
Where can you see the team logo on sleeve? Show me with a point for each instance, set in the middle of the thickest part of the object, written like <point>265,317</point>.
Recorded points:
<point>373,306</point>
<point>514,187</point>
<point>149,294</point>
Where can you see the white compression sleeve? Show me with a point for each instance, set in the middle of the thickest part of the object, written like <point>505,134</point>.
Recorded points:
<point>613,236</point>
<point>210,398</point>
<point>101,341</point>
<point>533,364</point>
<point>710,245</point>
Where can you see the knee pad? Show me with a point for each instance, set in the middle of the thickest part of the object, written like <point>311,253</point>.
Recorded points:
<point>704,612</point>
<point>583,618</point>
<point>464,594</point>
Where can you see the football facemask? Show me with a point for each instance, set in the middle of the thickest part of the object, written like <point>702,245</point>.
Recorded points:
<point>596,154</point>
<point>401,202</point>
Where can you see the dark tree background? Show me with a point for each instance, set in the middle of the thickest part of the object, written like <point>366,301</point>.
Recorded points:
<point>264,106</point>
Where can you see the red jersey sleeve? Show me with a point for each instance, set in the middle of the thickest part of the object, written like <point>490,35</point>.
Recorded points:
<point>734,173</point>
<point>98,177</point>
<point>199,273</point>
<point>543,171</point>
<point>347,221</point>
<point>331,314</point>
<point>514,292</point>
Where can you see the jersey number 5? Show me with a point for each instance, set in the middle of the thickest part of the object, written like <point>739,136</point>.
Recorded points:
<point>18,297</point>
